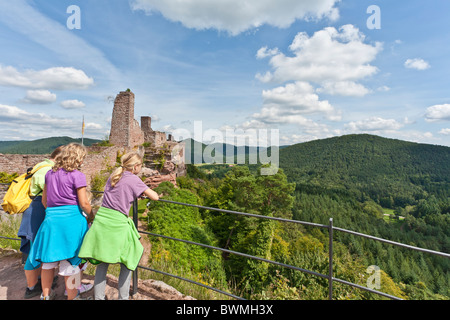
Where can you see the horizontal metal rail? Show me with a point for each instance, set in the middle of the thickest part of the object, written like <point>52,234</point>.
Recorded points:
<point>443,254</point>
<point>246,214</point>
<point>366,289</point>
<point>1,237</point>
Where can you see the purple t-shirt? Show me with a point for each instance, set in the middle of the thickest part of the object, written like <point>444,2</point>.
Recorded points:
<point>62,187</point>
<point>121,197</point>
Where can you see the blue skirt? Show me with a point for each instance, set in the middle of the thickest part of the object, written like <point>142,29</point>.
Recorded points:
<point>59,237</point>
<point>31,221</point>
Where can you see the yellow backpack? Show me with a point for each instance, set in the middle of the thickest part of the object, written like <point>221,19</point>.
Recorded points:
<point>17,198</point>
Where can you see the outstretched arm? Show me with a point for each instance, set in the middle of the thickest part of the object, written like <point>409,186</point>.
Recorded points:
<point>152,195</point>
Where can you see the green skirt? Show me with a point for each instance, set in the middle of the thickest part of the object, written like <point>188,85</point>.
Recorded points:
<point>112,238</point>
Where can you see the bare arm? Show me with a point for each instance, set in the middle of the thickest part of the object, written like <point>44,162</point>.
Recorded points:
<point>44,197</point>
<point>152,195</point>
<point>83,200</point>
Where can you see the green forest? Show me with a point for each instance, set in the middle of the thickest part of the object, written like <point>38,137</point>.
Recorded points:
<point>386,188</point>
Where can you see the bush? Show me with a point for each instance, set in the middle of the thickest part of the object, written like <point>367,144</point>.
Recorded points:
<point>7,178</point>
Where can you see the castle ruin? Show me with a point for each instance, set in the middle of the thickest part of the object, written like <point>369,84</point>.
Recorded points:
<point>160,149</point>
<point>125,130</point>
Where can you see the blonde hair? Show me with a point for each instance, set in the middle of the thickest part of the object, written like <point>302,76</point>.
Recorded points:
<point>128,161</point>
<point>70,157</point>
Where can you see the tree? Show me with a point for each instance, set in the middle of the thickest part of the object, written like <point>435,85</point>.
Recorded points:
<point>257,194</point>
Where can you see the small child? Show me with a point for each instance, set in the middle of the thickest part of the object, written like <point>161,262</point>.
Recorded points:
<point>61,234</point>
<point>113,238</point>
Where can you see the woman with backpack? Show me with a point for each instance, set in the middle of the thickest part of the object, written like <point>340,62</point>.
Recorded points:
<point>32,219</point>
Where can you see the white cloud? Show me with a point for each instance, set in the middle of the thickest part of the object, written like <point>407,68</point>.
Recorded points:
<point>253,124</point>
<point>288,105</point>
<point>12,114</point>
<point>295,98</point>
<point>374,124</point>
<point>236,16</point>
<point>39,97</point>
<point>299,138</point>
<point>335,61</point>
<point>72,104</point>
<point>58,78</point>
<point>438,112</point>
<point>330,57</point>
<point>418,64</point>
<point>92,125</point>
<point>43,125</point>
<point>383,89</point>
<point>270,116</point>
<point>264,52</point>
<point>276,116</point>
<point>343,88</point>
<point>445,131</point>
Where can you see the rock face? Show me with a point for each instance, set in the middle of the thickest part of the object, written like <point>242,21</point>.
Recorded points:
<point>154,181</point>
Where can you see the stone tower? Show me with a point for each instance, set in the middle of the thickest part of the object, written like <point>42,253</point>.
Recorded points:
<point>125,130</point>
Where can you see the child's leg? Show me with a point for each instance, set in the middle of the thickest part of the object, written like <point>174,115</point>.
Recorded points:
<point>124,282</point>
<point>47,275</point>
<point>31,274</point>
<point>32,277</point>
<point>100,281</point>
<point>72,278</point>
<point>72,291</point>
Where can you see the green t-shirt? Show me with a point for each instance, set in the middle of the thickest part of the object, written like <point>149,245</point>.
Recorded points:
<point>38,179</point>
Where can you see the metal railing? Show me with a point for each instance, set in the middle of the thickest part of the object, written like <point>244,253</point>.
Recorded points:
<point>330,227</point>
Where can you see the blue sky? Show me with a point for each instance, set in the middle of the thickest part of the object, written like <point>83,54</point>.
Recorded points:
<point>311,69</point>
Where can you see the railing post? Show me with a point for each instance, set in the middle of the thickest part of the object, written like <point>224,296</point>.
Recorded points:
<point>330,260</point>
<point>135,272</point>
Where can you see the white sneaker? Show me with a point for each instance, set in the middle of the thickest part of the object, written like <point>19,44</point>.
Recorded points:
<point>82,288</point>
<point>49,297</point>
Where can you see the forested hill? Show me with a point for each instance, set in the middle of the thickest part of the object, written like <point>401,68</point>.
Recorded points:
<point>392,189</point>
<point>40,146</point>
<point>391,172</point>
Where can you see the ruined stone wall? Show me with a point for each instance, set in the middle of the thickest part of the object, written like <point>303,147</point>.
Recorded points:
<point>97,159</point>
<point>157,138</point>
<point>146,124</point>
<point>19,163</point>
<point>125,130</point>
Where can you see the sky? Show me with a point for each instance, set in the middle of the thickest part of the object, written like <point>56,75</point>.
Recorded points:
<point>306,69</point>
